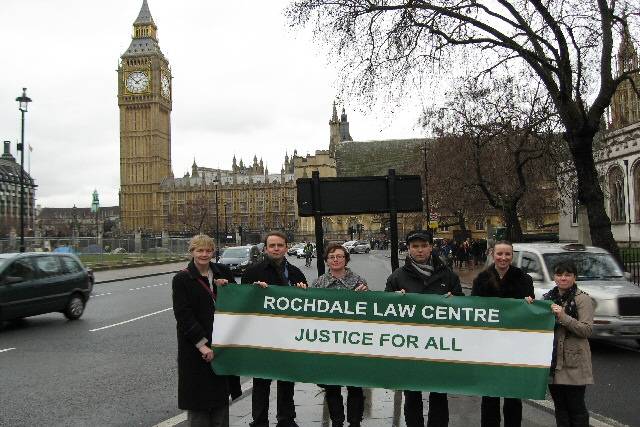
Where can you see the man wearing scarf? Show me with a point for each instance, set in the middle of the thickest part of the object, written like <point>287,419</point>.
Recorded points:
<point>273,270</point>
<point>424,274</point>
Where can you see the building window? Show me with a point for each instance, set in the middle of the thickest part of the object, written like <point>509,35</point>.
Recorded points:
<point>575,204</point>
<point>444,228</point>
<point>480,225</point>
<point>617,200</point>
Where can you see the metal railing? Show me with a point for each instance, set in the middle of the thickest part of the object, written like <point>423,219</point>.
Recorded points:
<point>631,261</point>
<point>93,245</point>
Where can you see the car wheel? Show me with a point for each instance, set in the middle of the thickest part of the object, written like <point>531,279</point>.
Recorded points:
<point>75,307</point>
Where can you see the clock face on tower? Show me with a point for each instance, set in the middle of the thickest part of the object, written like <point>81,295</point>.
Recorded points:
<point>165,81</point>
<point>137,81</point>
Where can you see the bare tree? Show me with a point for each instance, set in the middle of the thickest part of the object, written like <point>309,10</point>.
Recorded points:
<point>503,137</point>
<point>567,44</point>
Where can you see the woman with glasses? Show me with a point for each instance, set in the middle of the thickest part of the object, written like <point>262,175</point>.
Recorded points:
<point>341,277</point>
<point>571,360</point>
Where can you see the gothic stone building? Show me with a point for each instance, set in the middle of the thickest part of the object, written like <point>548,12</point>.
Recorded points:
<point>10,195</point>
<point>617,161</point>
<point>152,200</point>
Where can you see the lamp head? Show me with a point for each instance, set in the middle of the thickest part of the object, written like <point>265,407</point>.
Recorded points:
<point>23,101</point>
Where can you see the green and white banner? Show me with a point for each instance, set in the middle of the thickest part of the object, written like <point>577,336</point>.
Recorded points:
<point>461,345</point>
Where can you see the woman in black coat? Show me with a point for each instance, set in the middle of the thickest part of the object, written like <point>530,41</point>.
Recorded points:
<point>502,280</point>
<point>201,392</point>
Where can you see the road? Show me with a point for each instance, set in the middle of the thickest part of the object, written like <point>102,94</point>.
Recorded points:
<point>116,365</point>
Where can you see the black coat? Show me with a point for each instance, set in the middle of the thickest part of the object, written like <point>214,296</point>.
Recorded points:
<point>442,281</point>
<point>199,388</point>
<point>266,272</point>
<point>515,284</point>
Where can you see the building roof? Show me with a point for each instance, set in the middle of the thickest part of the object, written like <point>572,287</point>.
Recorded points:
<point>144,17</point>
<point>10,171</point>
<point>375,158</point>
<point>225,179</point>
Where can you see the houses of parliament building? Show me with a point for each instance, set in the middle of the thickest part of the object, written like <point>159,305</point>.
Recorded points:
<point>248,196</point>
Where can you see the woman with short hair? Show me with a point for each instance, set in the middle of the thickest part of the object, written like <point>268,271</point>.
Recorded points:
<point>201,392</point>
<point>341,277</point>
<point>571,360</point>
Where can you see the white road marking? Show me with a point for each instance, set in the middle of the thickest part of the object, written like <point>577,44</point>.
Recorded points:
<point>148,286</point>
<point>7,349</point>
<point>101,295</point>
<point>130,320</point>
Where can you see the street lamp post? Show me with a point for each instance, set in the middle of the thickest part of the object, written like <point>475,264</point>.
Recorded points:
<point>23,102</point>
<point>217,181</point>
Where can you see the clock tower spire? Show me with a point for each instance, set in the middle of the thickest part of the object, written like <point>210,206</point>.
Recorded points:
<point>144,99</point>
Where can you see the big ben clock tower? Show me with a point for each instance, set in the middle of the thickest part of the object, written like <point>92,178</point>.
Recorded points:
<point>144,98</point>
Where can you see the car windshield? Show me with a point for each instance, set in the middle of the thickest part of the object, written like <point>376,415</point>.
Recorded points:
<point>236,253</point>
<point>591,266</point>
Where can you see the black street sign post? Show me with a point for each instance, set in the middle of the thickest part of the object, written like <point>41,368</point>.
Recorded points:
<point>391,194</point>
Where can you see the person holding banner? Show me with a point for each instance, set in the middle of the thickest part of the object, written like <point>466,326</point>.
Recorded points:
<point>273,270</point>
<point>502,280</point>
<point>571,360</point>
<point>201,392</point>
<point>341,277</point>
<point>425,274</point>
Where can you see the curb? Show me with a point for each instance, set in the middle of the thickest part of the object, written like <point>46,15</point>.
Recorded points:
<point>133,265</point>
<point>136,277</point>
<point>595,420</point>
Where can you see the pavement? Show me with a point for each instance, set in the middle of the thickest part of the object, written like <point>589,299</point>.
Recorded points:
<point>383,408</point>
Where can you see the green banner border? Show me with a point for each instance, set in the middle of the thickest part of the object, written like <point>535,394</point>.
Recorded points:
<point>388,373</point>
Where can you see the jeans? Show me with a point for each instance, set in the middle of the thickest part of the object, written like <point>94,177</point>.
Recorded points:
<point>355,404</point>
<point>286,412</point>
<point>568,400</point>
<point>490,412</point>
<point>438,415</point>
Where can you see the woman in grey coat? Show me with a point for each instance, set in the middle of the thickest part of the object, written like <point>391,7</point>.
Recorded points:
<point>341,277</point>
<point>571,360</point>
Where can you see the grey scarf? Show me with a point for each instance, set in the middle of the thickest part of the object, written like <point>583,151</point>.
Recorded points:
<point>425,269</point>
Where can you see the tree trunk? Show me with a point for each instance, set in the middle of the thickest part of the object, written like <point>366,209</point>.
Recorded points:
<point>590,194</point>
<point>513,232</point>
<point>462,221</point>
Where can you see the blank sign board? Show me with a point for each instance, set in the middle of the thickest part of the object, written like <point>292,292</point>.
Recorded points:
<point>360,195</point>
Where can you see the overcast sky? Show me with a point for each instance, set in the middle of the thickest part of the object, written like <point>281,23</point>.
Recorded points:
<point>244,84</point>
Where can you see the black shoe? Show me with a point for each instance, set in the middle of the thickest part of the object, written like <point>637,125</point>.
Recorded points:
<point>287,424</point>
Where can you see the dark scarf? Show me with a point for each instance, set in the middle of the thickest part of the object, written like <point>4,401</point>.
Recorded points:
<point>568,301</point>
<point>280,268</point>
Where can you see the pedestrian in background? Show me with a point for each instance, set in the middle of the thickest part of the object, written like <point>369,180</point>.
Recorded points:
<point>201,392</point>
<point>571,360</point>
<point>273,270</point>
<point>424,274</point>
<point>341,277</point>
<point>502,280</point>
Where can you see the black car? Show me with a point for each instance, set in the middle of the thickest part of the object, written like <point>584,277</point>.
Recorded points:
<point>238,258</point>
<point>38,283</point>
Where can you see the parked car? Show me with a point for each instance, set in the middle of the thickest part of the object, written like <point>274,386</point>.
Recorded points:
<point>300,251</point>
<point>294,249</point>
<point>616,299</point>
<point>38,283</point>
<point>238,258</point>
<point>361,247</point>
<point>349,245</point>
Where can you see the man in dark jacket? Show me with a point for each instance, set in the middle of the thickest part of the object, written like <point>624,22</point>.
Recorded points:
<point>273,270</point>
<point>424,274</point>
